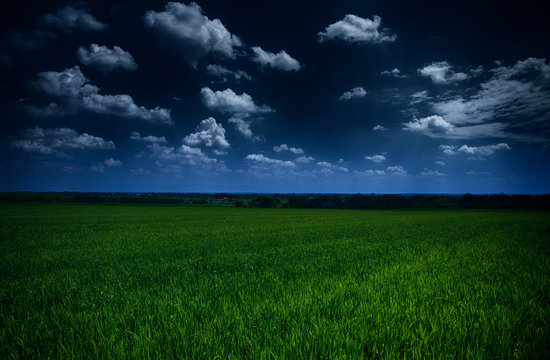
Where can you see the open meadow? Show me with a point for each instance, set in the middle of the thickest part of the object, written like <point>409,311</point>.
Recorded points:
<point>81,281</point>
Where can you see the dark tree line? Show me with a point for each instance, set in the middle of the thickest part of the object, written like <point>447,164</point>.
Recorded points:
<point>312,201</point>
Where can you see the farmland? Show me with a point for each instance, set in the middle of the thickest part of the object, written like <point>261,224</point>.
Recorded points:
<point>174,281</point>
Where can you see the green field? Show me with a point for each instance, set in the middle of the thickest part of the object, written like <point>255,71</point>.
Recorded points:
<point>131,281</point>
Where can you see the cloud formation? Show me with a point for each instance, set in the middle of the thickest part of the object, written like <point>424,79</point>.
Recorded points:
<point>55,141</point>
<point>70,18</point>
<point>106,59</point>
<point>210,134</point>
<point>110,162</point>
<point>134,135</point>
<point>475,152</point>
<point>354,29</point>
<point>224,74</point>
<point>280,61</point>
<point>355,93</point>
<point>174,160</point>
<point>329,168</point>
<point>376,158</point>
<point>242,126</point>
<point>441,73</point>
<point>73,93</point>
<point>284,147</point>
<point>513,103</point>
<point>397,170</point>
<point>227,101</point>
<point>261,159</point>
<point>304,159</point>
<point>379,128</point>
<point>192,31</point>
<point>434,126</point>
<point>396,73</point>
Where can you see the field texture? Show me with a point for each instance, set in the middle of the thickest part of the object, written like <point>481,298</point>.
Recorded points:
<point>107,281</point>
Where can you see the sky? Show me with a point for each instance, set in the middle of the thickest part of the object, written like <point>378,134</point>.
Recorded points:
<point>275,97</point>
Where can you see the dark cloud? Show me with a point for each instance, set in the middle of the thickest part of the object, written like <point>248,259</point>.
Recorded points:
<point>74,93</point>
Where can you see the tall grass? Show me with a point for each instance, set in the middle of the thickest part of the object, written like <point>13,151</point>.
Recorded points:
<point>169,282</point>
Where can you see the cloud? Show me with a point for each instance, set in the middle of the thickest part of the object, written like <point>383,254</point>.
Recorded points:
<point>149,138</point>
<point>71,88</point>
<point>280,61</point>
<point>185,155</point>
<point>519,93</point>
<point>242,126</point>
<point>379,128</point>
<point>376,158</point>
<point>441,73</point>
<point>65,20</point>
<point>512,103</point>
<point>434,126</point>
<point>106,59</point>
<point>70,18</point>
<point>419,97</point>
<point>440,163</point>
<point>329,166</point>
<point>284,147</point>
<point>210,134</point>
<point>304,159</point>
<point>55,141</point>
<point>189,29</point>
<point>224,74</point>
<point>227,101</point>
<point>355,93</point>
<point>396,170</point>
<point>110,162</point>
<point>261,159</point>
<point>390,171</point>
<point>396,73</point>
<point>431,173</point>
<point>354,29</point>
<point>475,152</point>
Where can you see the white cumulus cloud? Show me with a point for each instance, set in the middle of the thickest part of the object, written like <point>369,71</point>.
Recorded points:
<point>355,93</point>
<point>434,126</point>
<point>441,73</point>
<point>227,101</point>
<point>190,29</point>
<point>259,158</point>
<point>106,59</point>
<point>476,152</point>
<point>354,29</point>
<point>210,134</point>
<point>396,73</point>
<point>376,158</point>
<point>285,147</point>
<point>279,61</point>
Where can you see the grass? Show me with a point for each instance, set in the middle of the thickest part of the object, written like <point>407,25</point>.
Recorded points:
<point>167,282</point>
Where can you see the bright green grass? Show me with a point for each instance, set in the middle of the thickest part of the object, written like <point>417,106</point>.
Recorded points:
<point>100,281</point>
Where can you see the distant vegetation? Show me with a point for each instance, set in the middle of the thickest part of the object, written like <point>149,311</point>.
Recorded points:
<point>311,201</point>
<point>88,281</point>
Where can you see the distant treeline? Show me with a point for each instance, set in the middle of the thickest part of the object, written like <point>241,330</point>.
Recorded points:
<point>312,201</point>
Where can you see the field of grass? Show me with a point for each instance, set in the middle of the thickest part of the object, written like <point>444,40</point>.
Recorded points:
<point>166,282</point>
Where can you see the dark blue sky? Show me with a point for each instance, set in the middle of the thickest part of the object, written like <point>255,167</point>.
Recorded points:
<point>287,96</point>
